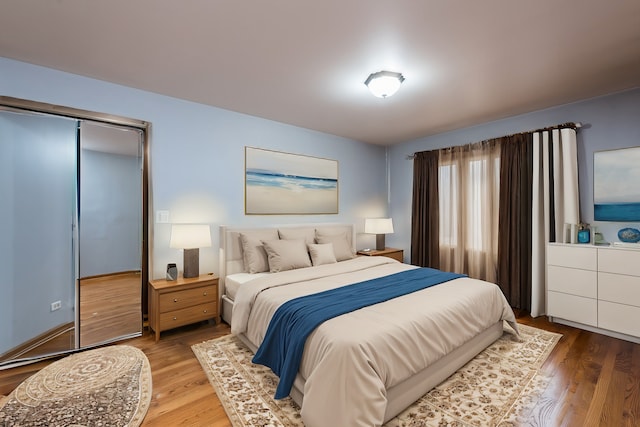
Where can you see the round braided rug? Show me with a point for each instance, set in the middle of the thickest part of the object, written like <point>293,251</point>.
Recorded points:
<point>107,386</point>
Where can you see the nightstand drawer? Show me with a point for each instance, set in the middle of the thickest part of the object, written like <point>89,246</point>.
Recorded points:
<point>186,298</point>
<point>187,315</point>
<point>397,254</point>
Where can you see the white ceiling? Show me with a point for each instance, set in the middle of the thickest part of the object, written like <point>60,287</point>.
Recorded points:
<point>304,63</point>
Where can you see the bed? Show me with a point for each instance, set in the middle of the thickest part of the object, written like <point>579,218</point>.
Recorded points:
<point>365,367</point>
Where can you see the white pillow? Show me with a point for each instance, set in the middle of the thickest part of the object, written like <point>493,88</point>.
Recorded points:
<point>341,247</point>
<point>334,231</point>
<point>322,253</point>
<point>253,253</point>
<point>286,255</point>
<point>308,234</point>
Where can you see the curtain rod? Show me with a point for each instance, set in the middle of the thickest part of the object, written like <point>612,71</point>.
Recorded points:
<point>573,125</point>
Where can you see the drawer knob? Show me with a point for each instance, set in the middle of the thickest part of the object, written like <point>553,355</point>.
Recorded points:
<point>204,311</point>
<point>175,318</point>
<point>205,294</point>
<point>175,300</point>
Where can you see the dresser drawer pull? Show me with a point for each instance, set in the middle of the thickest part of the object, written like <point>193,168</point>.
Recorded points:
<point>175,300</point>
<point>205,294</point>
<point>204,311</point>
<point>175,318</point>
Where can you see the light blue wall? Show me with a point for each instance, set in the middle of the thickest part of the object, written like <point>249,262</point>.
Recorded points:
<point>197,156</point>
<point>610,122</point>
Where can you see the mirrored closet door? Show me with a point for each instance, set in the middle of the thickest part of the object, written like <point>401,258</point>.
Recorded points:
<point>72,221</point>
<point>110,231</point>
<point>37,220</point>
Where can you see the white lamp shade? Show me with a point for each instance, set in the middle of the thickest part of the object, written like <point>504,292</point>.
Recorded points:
<point>190,236</point>
<point>378,226</point>
<point>384,83</point>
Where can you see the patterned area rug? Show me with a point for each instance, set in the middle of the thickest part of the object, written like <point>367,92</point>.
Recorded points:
<point>108,386</point>
<point>499,387</point>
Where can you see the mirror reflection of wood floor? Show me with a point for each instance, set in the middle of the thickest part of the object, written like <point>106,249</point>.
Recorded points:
<point>110,306</point>
<point>55,340</point>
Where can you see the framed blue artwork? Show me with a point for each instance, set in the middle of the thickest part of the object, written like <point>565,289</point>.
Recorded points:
<point>616,185</point>
<point>278,183</point>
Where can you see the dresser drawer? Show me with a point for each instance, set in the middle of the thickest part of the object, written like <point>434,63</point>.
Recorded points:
<point>572,307</point>
<point>619,288</point>
<point>177,300</point>
<point>574,256</point>
<point>621,261</point>
<point>185,316</point>
<point>619,318</point>
<point>572,281</point>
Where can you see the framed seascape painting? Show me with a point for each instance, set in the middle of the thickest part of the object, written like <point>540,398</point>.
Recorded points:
<point>616,189</point>
<point>278,183</point>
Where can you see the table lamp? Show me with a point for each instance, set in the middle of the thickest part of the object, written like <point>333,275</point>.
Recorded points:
<point>379,227</point>
<point>190,237</point>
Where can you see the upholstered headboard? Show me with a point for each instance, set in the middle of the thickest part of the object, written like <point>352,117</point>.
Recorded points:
<point>231,259</point>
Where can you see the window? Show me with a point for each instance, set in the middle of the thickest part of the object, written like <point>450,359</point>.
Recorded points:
<point>448,184</point>
<point>468,187</point>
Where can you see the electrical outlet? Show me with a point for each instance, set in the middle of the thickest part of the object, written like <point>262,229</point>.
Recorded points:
<point>56,305</point>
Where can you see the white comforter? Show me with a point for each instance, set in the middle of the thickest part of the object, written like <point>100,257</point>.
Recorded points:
<point>350,361</point>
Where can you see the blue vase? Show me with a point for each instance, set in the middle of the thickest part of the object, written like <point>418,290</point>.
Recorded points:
<point>584,236</point>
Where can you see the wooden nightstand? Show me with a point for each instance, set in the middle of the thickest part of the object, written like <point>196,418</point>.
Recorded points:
<point>397,254</point>
<point>181,302</point>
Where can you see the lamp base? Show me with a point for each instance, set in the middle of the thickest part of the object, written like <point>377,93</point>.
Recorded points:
<point>380,245</point>
<point>191,263</point>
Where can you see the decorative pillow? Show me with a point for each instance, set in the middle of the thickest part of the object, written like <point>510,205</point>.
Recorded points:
<point>322,253</point>
<point>341,247</point>
<point>307,234</point>
<point>253,253</point>
<point>334,230</point>
<point>286,255</point>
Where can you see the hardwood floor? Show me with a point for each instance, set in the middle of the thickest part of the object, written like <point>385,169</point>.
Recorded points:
<point>595,379</point>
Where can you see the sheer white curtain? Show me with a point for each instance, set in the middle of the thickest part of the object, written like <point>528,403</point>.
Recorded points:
<point>555,201</point>
<point>468,201</point>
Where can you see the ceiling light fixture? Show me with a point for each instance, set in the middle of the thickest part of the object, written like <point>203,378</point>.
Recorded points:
<point>384,83</point>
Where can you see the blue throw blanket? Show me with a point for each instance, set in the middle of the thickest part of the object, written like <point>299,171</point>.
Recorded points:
<point>281,350</point>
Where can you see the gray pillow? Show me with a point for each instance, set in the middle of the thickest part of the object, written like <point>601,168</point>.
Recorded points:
<point>286,255</point>
<point>253,253</point>
<point>307,234</point>
<point>341,247</point>
<point>322,253</point>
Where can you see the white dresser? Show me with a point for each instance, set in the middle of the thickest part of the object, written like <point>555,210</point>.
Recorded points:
<point>595,288</point>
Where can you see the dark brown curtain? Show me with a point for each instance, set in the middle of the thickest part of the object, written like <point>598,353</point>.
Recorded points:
<point>514,238</point>
<point>425,245</point>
